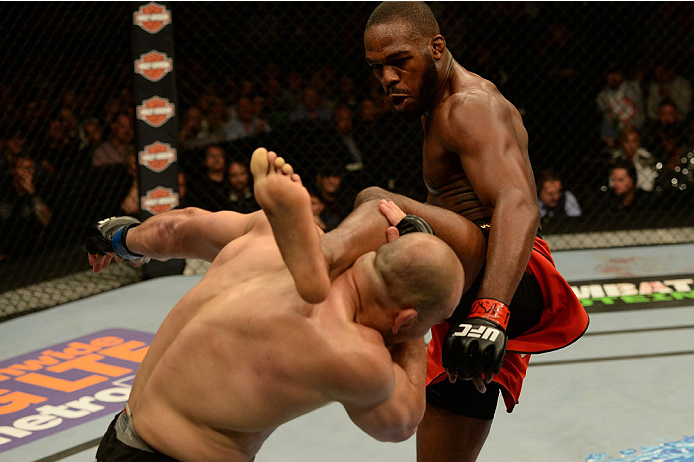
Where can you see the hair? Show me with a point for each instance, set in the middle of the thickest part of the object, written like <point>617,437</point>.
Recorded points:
<point>668,102</point>
<point>626,165</point>
<point>545,175</point>
<point>416,14</point>
<point>417,273</point>
<point>626,131</point>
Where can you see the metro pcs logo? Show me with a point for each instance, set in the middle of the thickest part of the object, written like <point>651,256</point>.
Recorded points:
<point>153,65</point>
<point>156,111</point>
<point>157,156</point>
<point>152,17</point>
<point>58,387</point>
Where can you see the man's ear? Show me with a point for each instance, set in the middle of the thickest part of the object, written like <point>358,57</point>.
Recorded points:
<point>438,46</point>
<point>405,319</point>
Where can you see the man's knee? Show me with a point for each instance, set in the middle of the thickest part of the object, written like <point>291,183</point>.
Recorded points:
<point>369,194</point>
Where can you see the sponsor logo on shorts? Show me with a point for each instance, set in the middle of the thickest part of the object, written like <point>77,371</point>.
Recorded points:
<point>152,17</point>
<point>153,65</point>
<point>68,384</point>
<point>628,293</point>
<point>159,200</point>
<point>157,156</point>
<point>156,111</point>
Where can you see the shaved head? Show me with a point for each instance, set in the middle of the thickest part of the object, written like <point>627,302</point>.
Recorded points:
<point>416,14</point>
<point>422,272</point>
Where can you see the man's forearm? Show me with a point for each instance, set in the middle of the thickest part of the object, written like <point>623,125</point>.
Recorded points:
<point>411,357</point>
<point>510,245</point>
<point>157,237</point>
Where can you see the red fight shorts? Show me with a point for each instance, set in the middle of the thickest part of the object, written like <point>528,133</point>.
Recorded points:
<point>563,321</point>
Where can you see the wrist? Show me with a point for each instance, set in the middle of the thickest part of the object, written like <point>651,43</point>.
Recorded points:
<point>118,242</point>
<point>491,310</point>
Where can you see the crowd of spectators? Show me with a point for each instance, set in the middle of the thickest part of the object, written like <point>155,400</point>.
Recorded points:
<point>66,160</point>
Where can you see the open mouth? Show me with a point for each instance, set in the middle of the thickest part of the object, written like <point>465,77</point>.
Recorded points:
<point>398,101</point>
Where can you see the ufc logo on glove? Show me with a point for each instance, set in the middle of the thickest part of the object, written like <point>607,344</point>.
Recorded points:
<point>487,333</point>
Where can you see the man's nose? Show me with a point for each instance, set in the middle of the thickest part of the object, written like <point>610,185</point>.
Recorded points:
<point>390,77</point>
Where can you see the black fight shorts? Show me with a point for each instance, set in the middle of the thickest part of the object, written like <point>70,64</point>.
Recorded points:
<point>113,450</point>
<point>462,398</point>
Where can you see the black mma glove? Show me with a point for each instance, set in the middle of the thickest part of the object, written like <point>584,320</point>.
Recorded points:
<point>413,224</point>
<point>478,344</point>
<point>108,236</point>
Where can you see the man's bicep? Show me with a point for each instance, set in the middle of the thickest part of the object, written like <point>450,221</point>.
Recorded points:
<point>489,151</point>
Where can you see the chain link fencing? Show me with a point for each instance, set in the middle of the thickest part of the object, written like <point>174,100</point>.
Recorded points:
<point>291,76</point>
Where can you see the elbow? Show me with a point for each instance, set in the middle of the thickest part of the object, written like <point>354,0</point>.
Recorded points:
<point>176,231</point>
<point>401,425</point>
<point>314,291</point>
<point>524,206</point>
<point>397,433</point>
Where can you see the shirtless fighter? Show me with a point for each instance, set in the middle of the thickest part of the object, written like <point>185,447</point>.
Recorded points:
<point>475,163</point>
<point>283,322</point>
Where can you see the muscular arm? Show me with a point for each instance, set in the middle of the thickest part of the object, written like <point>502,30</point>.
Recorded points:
<point>499,172</point>
<point>397,418</point>
<point>188,233</point>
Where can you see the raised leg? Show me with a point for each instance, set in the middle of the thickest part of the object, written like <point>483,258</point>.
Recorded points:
<point>287,204</point>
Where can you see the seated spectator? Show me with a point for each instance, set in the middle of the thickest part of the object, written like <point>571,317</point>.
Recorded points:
<point>630,149</point>
<point>23,212</point>
<point>344,124</point>
<point>317,207</point>
<point>332,192</point>
<point>240,190</point>
<point>119,145</point>
<point>246,123</point>
<point>668,124</point>
<point>347,93</point>
<point>277,103</point>
<point>310,108</point>
<point>211,192</point>
<point>676,168</point>
<point>215,113</point>
<point>61,147</point>
<point>621,103</point>
<point>667,85</point>
<point>14,147</point>
<point>196,131</point>
<point>552,199</point>
<point>131,203</point>
<point>368,113</point>
<point>90,136</point>
<point>623,196</point>
<point>182,190</point>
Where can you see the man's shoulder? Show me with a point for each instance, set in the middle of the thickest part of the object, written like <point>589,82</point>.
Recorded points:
<point>471,92</point>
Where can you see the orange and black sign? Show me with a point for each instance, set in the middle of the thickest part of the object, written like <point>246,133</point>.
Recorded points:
<point>156,107</point>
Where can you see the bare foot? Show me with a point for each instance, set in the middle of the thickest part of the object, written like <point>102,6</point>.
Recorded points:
<point>287,204</point>
<point>271,172</point>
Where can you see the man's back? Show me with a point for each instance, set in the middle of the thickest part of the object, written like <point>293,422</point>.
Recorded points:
<point>239,355</point>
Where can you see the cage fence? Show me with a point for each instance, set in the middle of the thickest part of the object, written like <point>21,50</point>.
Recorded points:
<point>595,82</point>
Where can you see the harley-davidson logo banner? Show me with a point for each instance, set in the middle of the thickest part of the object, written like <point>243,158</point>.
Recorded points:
<point>156,107</point>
